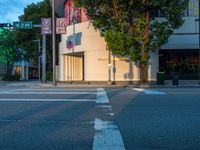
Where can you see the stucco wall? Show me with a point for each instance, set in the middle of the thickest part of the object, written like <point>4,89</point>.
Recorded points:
<point>96,60</point>
<point>186,37</point>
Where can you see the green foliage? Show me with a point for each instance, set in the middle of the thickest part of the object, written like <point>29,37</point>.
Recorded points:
<point>49,76</point>
<point>127,28</point>
<point>15,77</point>
<point>34,12</point>
<point>9,51</point>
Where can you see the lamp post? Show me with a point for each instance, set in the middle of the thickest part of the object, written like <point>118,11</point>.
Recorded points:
<point>53,43</point>
<point>114,69</point>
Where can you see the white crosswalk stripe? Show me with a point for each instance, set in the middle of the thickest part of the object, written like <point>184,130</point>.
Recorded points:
<point>149,92</point>
<point>52,92</point>
<point>107,135</point>
<point>47,100</point>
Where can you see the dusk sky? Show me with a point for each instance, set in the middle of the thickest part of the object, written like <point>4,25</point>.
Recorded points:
<point>11,9</point>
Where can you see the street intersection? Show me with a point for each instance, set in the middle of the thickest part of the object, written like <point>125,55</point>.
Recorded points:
<point>46,118</point>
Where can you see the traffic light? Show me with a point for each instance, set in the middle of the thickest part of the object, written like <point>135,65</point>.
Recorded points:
<point>2,25</point>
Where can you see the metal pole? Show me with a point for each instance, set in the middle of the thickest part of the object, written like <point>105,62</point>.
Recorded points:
<point>199,44</point>
<point>109,64</point>
<point>53,43</point>
<point>73,33</point>
<point>43,58</point>
<point>114,69</point>
<point>39,60</point>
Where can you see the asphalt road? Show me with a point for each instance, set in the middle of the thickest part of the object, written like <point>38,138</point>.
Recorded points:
<point>96,118</point>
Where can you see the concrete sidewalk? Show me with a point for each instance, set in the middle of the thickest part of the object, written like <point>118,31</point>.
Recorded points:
<point>36,83</point>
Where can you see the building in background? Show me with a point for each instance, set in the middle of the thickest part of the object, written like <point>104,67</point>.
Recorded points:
<point>181,53</point>
<point>83,55</point>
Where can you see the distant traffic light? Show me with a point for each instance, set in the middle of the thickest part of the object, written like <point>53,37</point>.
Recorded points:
<point>2,25</point>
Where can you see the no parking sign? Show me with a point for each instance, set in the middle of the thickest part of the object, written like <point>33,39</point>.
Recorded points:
<point>46,25</point>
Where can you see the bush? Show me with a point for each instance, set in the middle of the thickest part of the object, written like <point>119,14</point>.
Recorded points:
<point>15,77</point>
<point>49,76</point>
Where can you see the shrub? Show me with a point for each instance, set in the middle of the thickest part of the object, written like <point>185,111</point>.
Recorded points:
<point>49,76</point>
<point>15,77</point>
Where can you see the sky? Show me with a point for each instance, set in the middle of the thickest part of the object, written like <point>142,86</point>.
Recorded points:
<point>11,9</point>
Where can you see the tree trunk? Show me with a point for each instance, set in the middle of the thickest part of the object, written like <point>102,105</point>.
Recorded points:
<point>7,69</point>
<point>143,73</point>
<point>145,54</point>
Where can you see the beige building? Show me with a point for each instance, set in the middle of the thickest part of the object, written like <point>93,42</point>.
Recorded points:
<point>89,60</point>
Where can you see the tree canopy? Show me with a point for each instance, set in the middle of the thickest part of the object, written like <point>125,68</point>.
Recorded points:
<point>34,12</point>
<point>9,51</point>
<point>130,29</point>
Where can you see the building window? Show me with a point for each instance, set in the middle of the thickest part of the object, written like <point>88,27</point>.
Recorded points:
<point>185,62</point>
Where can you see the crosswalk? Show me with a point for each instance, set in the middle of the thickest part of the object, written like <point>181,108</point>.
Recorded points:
<point>149,91</point>
<point>106,133</point>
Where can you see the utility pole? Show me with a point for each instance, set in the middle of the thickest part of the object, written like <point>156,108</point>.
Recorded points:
<point>53,43</point>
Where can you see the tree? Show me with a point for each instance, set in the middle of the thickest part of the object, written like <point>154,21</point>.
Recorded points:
<point>9,52</point>
<point>130,23</point>
<point>34,12</point>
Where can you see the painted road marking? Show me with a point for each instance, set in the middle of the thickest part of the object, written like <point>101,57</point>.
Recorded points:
<point>107,136</point>
<point>50,100</point>
<point>42,93</point>
<point>101,96</point>
<point>106,106</point>
<point>149,92</point>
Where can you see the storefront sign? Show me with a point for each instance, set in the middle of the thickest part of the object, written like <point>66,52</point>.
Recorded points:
<point>74,38</point>
<point>70,45</point>
<point>46,26</point>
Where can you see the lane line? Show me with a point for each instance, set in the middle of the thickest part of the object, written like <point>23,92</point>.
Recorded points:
<point>149,92</point>
<point>101,96</point>
<point>49,100</point>
<point>106,106</point>
<point>43,93</point>
<point>107,136</point>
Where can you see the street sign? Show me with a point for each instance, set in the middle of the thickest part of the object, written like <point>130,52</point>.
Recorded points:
<point>46,26</point>
<point>23,25</point>
<point>61,26</point>
<point>2,25</point>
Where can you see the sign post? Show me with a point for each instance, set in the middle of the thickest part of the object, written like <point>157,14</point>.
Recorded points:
<point>46,26</point>
<point>45,30</point>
